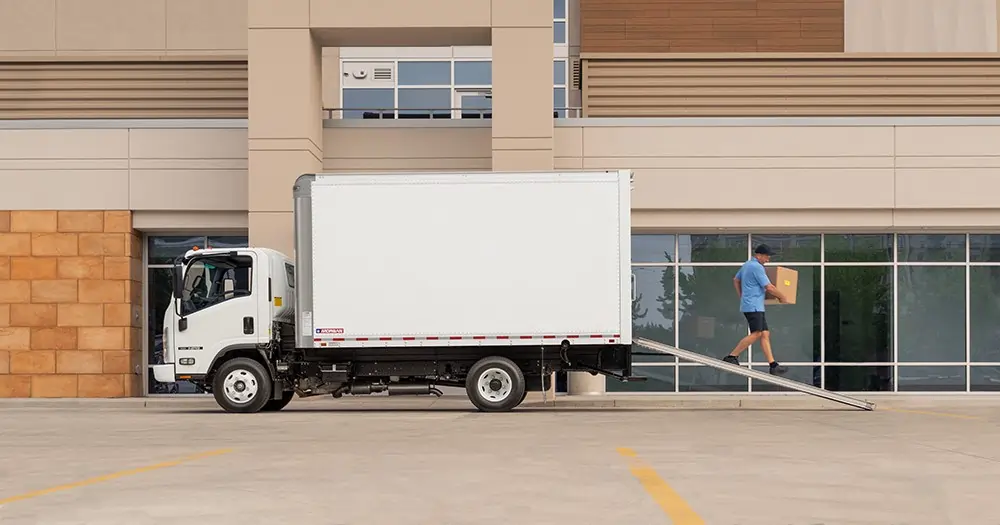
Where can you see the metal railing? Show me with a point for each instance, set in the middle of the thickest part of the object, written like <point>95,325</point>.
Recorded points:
<point>397,113</point>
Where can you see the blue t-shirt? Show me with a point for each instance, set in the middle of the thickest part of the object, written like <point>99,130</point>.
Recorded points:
<point>753,281</point>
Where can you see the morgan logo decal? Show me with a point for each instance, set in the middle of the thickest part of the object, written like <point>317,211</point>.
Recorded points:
<point>329,330</point>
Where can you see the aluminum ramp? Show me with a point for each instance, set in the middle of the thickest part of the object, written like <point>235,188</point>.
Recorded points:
<point>754,374</point>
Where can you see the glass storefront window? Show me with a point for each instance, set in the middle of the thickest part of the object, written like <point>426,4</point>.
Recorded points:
<point>931,248</point>
<point>653,310</point>
<point>984,313</point>
<point>931,321</point>
<point>858,248</point>
<point>858,314</point>
<point>795,328</point>
<point>790,248</point>
<point>713,248</point>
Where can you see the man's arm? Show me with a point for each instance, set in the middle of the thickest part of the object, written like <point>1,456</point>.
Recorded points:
<point>769,287</point>
<point>739,286</point>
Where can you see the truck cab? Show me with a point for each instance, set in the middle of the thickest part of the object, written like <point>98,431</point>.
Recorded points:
<point>225,304</point>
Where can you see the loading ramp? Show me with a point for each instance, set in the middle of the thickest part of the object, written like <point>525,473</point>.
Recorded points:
<point>719,364</point>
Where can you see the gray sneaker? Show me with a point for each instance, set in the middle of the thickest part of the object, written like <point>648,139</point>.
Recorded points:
<point>731,359</point>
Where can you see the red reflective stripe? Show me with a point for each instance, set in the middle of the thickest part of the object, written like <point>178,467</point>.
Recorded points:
<point>479,337</point>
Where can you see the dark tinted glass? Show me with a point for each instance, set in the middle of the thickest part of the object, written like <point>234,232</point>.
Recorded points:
<point>653,248</point>
<point>931,378</point>
<point>559,33</point>
<point>858,378</point>
<point>704,379</point>
<point>810,375</point>
<point>713,248</point>
<point>984,248</point>
<point>369,103</point>
<point>858,248</point>
<point>163,250</point>
<point>984,313</point>
<point>931,302</point>
<point>795,328</point>
<point>710,321</point>
<point>228,242</point>
<point>984,378</point>
<point>159,289</point>
<point>559,72</point>
<point>858,314</point>
<point>653,310</point>
<point>419,73</point>
<point>478,73</point>
<point>931,248</point>
<point>790,248</point>
<point>424,102</point>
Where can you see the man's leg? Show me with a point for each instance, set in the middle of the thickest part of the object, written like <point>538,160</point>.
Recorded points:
<point>754,323</point>
<point>765,345</point>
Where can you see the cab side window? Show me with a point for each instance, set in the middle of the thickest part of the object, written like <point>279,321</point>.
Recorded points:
<point>216,279</point>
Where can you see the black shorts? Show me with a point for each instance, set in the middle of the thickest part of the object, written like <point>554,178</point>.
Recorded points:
<point>757,321</point>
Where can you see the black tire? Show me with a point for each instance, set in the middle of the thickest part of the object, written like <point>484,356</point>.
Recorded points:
<point>255,377</point>
<point>275,405</point>
<point>507,376</point>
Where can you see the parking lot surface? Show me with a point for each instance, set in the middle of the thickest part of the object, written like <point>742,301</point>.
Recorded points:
<point>417,461</point>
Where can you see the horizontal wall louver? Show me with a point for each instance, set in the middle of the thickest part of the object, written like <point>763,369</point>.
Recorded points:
<point>830,85</point>
<point>153,88</point>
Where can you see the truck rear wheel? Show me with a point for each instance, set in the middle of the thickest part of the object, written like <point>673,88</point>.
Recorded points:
<point>495,384</point>
<point>242,385</point>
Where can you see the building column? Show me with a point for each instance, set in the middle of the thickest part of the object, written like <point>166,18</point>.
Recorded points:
<point>522,85</point>
<point>285,118</point>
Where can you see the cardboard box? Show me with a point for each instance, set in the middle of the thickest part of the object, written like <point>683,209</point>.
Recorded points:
<point>785,280</point>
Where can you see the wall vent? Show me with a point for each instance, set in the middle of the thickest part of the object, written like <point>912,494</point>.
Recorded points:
<point>576,73</point>
<point>382,73</point>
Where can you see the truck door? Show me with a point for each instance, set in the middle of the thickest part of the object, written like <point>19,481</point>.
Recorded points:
<point>217,309</point>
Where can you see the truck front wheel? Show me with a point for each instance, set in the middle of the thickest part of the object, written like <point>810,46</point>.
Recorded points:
<point>242,385</point>
<point>495,384</point>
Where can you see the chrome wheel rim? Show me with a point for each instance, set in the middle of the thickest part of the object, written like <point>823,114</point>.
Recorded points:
<point>495,385</point>
<point>240,386</point>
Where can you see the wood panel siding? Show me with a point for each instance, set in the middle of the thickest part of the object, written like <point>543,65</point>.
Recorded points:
<point>711,26</point>
<point>814,85</point>
<point>123,88</point>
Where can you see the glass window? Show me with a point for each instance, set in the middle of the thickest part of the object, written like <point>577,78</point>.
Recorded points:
<point>984,313</point>
<point>931,248</point>
<point>931,318</point>
<point>653,310</point>
<point>559,73</point>
<point>424,102</point>
<point>559,33</point>
<point>795,328</point>
<point>858,248</point>
<point>424,73</point>
<point>658,379</point>
<point>214,279</point>
<point>369,103</point>
<point>931,378</point>
<point>984,378</point>
<point>290,275</point>
<point>559,9</point>
<point>163,250</point>
<point>647,248</point>
<point>858,314</point>
<point>984,248</point>
<point>713,248</point>
<point>473,73</point>
<point>477,106</point>
<point>790,248</point>
<point>709,319</point>
<point>858,378</point>
<point>700,378</point>
<point>810,375</point>
<point>559,102</point>
<point>227,242</point>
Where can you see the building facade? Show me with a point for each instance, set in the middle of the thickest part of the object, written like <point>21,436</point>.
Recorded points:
<point>858,137</point>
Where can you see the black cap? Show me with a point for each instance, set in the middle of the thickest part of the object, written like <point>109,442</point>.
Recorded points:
<point>764,249</point>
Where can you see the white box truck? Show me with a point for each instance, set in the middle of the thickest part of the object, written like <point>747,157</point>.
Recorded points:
<point>403,283</point>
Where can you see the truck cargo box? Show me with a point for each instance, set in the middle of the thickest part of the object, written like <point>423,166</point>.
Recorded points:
<point>462,259</point>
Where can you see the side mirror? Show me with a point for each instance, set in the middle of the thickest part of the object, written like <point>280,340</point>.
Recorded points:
<point>177,278</point>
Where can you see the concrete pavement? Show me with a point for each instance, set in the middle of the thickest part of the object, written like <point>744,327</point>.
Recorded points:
<point>423,460</point>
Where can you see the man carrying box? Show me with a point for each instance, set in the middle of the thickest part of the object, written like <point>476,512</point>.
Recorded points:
<point>752,286</point>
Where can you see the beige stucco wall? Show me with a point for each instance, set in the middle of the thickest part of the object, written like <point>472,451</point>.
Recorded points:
<point>825,175</point>
<point>920,26</point>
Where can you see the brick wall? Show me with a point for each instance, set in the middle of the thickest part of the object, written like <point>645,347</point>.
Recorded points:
<point>70,304</point>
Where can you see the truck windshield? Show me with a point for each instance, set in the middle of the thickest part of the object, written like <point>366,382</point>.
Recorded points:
<point>214,279</point>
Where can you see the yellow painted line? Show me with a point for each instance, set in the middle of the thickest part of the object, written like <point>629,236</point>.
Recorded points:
<point>670,501</point>
<point>113,475</point>
<point>930,413</point>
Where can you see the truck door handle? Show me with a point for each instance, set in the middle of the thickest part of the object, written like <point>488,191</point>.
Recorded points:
<point>248,325</point>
